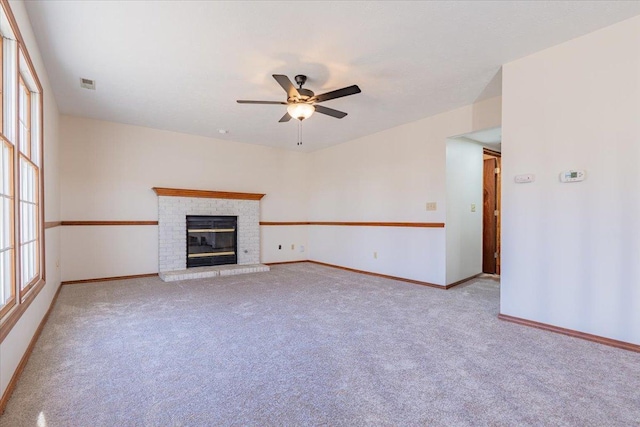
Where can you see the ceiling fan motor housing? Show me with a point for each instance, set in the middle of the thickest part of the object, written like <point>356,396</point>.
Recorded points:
<point>305,94</point>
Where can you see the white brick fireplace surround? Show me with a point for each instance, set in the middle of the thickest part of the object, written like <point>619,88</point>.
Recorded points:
<point>173,207</point>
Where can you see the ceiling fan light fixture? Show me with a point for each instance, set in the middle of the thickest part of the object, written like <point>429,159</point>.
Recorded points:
<point>300,111</point>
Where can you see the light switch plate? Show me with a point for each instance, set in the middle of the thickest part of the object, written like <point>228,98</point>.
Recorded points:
<point>528,177</point>
<point>432,206</point>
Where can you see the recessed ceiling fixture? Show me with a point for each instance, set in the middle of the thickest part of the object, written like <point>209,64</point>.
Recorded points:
<point>87,83</point>
<point>302,103</point>
<point>223,131</point>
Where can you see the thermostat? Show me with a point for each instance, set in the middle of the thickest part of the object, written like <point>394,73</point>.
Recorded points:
<point>572,175</point>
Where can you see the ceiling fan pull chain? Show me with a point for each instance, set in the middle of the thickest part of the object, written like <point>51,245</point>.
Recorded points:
<point>299,132</point>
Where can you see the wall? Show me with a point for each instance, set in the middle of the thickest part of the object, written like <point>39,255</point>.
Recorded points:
<point>389,177</point>
<point>571,252</point>
<point>108,170</point>
<point>15,344</point>
<point>464,227</point>
<point>292,238</point>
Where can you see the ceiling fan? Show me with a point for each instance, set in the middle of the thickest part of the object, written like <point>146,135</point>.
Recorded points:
<point>302,103</point>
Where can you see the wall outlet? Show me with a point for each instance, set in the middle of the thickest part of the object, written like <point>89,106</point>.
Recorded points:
<point>375,255</point>
<point>473,207</point>
<point>432,206</point>
<point>301,248</point>
<point>279,247</point>
<point>293,246</point>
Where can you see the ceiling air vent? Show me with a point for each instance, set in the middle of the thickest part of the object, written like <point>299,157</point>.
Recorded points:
<point>88,84</point>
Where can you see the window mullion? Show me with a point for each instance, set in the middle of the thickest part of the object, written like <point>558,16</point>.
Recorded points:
<point>14,81</point>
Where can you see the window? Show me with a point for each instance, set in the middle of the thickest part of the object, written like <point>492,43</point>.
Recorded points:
<point>29,186</point>
<point>21,221</point>
<point>7,290</point>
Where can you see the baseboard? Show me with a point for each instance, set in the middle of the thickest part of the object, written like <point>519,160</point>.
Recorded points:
<point>284,262</point>
<point>107,279</point>
<point>25,358</point>
<point>570,332</point>
<point>460,282</point>
<point>402,279</point>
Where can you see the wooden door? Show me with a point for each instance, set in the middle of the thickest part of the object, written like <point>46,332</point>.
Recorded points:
<point>490,217</point>
<point>499,212</point>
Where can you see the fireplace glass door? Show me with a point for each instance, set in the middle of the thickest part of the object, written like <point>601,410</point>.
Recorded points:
<point>211,240</point>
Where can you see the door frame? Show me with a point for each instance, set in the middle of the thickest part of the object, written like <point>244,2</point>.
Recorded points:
<point>498,209</point>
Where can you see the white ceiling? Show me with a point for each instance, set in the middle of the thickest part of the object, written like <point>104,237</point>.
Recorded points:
<point>181,65</point>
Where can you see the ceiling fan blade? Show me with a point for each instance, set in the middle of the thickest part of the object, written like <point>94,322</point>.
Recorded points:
<point>285,118</point>
<point>286,84</point>
<point>241,101</point>
<point>339,93</point>
<point>330,112</point>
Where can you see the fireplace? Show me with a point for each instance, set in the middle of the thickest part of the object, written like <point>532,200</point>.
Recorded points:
<point>175,205</point>
<point>211,240</point>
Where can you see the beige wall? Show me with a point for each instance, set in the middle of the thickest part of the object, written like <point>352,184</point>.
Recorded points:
<point>571,252</point>
<point>14,345</point>
<point>389,177</point>
<point>465,167</point>
<point>108,171</point>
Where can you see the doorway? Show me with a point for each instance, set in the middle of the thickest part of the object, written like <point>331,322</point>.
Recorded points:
<point>491,212</point>
<point>473,163</point>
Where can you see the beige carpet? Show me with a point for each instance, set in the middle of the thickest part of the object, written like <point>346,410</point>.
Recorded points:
<point>311,345</point>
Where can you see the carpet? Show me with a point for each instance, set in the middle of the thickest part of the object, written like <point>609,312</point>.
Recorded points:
<point>308,345</point>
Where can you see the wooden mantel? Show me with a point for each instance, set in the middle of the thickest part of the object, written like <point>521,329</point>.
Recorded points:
<point>206,194</point>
